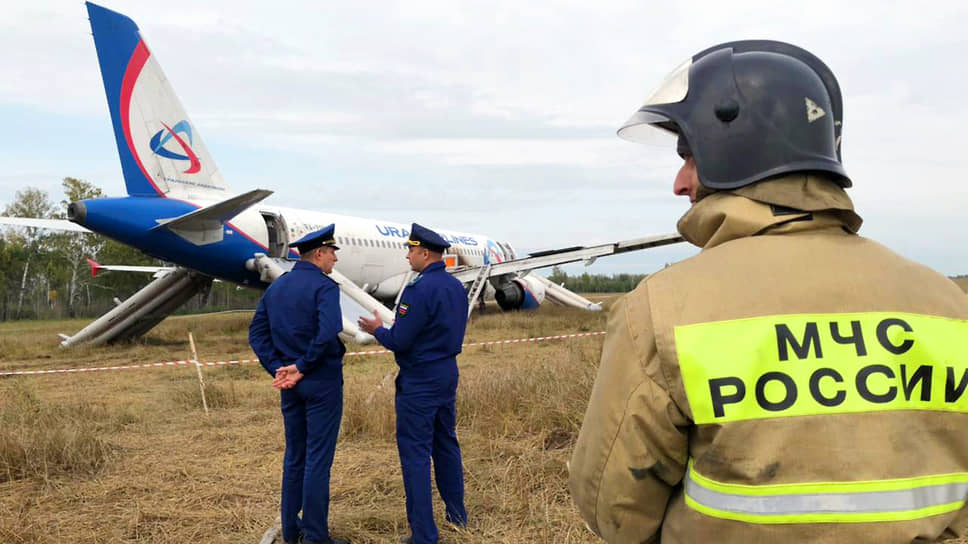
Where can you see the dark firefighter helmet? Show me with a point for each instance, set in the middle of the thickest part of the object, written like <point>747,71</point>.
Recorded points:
<point>749,110</point>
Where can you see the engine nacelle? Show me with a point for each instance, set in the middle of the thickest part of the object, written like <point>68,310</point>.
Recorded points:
<point>524,293</point>
<point>389,288</point>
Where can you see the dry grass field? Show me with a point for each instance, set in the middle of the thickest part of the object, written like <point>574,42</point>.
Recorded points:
<point>962,282</point>
<point>129,456</point>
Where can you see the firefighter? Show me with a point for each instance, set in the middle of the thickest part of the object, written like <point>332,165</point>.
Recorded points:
<point>794,381</point>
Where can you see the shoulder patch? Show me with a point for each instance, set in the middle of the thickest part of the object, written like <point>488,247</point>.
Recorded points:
<point>403,309</point>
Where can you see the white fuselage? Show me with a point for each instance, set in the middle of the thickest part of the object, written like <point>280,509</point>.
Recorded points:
<point>372,252</point>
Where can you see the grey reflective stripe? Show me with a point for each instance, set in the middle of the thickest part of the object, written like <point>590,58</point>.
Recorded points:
<point>828,503</point>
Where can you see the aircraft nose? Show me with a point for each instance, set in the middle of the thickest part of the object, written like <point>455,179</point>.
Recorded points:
<point>77,212</point>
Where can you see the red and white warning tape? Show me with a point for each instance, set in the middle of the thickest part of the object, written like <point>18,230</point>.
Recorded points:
<point>188,362</point>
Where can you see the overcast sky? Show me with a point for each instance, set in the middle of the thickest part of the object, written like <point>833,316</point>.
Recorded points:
<point>491,117</point>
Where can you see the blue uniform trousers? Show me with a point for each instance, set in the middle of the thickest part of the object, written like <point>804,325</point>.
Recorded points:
<point>311,412</point>
<point>426,428</point>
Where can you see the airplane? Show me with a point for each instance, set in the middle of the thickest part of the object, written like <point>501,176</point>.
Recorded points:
<point>179,209</point>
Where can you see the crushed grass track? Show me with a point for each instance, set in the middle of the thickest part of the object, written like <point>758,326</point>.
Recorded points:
<point>129,456</point>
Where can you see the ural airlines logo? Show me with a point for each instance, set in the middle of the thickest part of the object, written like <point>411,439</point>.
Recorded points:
<point>494,253</point>
<point>162,137</point>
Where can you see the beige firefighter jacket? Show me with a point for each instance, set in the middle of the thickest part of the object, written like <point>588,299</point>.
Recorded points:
<point>794,382</point>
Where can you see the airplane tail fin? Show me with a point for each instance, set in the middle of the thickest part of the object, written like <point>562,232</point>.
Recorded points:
<point>162,154</point>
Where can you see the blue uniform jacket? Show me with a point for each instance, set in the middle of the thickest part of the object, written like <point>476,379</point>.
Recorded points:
<point>430,321</point>
<point>298,322</point>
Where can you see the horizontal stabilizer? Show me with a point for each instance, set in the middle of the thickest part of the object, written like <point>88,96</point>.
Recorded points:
<point>205,225</point>
<point>48,224</point>
<point>97,267</point>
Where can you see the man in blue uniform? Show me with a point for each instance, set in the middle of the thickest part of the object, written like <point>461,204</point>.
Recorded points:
<point>425,338</point>
<point>295,335</point>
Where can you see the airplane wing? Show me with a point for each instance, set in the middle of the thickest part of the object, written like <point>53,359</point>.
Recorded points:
<point>515,288</point>
<point>142,310</point>
<point>48,224</point>
<point>544,259</point>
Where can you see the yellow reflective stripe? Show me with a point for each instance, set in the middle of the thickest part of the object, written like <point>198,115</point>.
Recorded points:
<point>812,364</point>
<point>875,517</point>
<point>893,484</point>
<point>828,502</point>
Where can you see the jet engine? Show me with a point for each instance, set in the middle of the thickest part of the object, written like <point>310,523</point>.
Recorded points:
<point>525,293</point>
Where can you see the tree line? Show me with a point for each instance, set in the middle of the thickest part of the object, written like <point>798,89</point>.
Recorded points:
<point>596,283</point>
<point>44,274</point>
<point>623,283</point>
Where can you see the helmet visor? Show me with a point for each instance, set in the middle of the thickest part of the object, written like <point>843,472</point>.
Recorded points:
<point>651,127</point>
